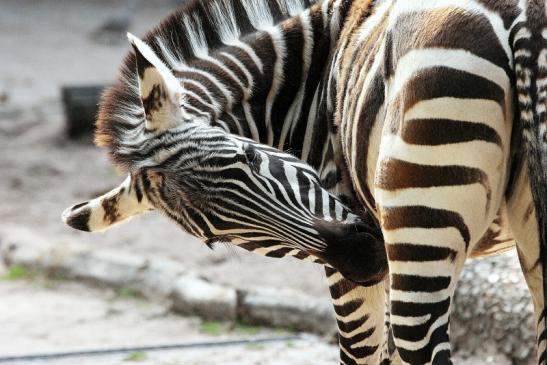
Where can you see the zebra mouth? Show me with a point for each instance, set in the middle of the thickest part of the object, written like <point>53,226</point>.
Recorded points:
<point>356,250</point>
<point>366,269</point>
<point>77,217</point>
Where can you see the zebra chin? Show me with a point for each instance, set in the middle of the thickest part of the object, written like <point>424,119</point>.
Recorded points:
<point>356,250</point>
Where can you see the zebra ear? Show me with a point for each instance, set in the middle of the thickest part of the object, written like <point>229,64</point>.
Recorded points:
<point>159,89</point>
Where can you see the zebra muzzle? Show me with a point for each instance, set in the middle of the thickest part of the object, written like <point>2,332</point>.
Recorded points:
<point>101,213</point>
<point>357,250</point>
<point>77,216</point>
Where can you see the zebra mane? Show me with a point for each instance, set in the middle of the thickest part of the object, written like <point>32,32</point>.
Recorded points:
<point>189,32</point>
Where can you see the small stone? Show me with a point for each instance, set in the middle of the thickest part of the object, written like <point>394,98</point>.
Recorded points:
<point>108,267</point>
<point>495,306</point>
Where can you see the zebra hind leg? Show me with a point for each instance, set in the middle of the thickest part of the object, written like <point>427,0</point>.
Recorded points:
<point>424,267</point>
<point>431,219</point>
<point>522,218</point>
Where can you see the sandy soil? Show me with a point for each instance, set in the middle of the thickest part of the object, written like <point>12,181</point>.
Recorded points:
<point>40,316</point>
<point>49,46</point>
<point>106,319</point>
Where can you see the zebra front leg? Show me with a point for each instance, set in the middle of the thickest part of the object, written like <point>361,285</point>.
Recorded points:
<point>424,267</point>
<point>360,317</point>
<point>523,221</point>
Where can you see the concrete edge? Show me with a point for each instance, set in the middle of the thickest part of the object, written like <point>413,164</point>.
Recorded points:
<point>167,280</point>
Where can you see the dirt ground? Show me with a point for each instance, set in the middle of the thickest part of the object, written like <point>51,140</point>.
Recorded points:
<point>45,316</point>
<point>107,319</point>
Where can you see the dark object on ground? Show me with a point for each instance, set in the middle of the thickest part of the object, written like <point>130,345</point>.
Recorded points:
<point>80,105</point>
<point>3,96</point>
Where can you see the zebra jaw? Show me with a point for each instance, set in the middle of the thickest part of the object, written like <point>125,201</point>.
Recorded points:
<point>242,192</point>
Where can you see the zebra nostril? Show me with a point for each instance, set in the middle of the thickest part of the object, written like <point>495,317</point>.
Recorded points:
<point>78,206</point>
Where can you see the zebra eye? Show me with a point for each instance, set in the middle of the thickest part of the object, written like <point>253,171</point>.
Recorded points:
<point>252,157</point>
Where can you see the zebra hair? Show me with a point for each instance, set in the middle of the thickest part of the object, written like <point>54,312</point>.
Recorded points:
<point>404,109</point>
<point>186,34</point>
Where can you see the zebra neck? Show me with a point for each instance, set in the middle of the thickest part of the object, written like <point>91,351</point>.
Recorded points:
<point>270,85</point>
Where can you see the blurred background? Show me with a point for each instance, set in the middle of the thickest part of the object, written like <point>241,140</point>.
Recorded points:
<point>50,304</point>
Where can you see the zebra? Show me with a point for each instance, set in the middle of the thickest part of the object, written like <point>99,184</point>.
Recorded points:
<point>430,116</point>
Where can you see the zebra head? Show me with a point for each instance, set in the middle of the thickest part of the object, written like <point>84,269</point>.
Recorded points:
<point>221,187</point>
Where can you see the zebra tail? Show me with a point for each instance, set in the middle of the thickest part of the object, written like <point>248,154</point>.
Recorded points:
<point>529,46</point>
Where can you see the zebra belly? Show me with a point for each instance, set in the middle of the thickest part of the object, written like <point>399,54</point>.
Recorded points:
<point>497,239</point>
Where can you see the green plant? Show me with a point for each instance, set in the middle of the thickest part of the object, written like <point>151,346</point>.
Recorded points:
<point>17,272</point>
<point>290,330</point>
<point>136,356</point>
<point>246,329</point>
<point>126,293</point>
<point>255,346</point>
<point>211,328</point>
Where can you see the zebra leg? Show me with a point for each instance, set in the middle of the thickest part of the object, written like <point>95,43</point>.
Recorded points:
<point>390,356</point>
<point>437,190</point>
<point>431,219</point>
<point>360,317</point>
<point>522,218</point>
<point>442,164</point>
<point>424,267</point>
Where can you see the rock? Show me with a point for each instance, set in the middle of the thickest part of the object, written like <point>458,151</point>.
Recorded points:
<point>113,268</point>
<point>159,278</point>
<point>80,104</point>
<point>280,309</point>
<point>193,295</point>
<point>15,249</point>
<point>4,96</point>
<point>493,313</point>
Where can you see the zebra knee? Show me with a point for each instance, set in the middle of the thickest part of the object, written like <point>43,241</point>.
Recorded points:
<point>421,292</point>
